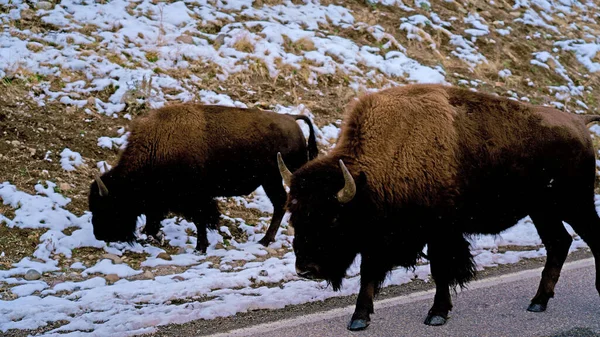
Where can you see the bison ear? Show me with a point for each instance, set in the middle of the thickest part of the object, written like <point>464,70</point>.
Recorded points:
<point>101,187</point>
<point>347,192</point>
<point>283,170</point>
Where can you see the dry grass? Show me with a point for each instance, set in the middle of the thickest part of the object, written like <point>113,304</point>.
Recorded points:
<point>152,56</point>
<point>244,44</point>
<point>299,46</point>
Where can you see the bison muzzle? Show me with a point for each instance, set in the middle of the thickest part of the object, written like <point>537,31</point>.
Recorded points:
<point>431,165</point>
<point>180,157</point>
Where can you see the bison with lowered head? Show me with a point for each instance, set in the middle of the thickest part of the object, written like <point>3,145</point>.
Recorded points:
<point>430,165</point>
<point>180,157</point>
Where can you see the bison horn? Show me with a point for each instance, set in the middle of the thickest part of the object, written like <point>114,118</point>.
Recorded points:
<point>283,170</point>
<point>349,190</point>
<point>101,187</point>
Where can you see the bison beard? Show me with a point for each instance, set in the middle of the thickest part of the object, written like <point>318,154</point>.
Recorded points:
<point>431,165</point>
<point>179,158</point>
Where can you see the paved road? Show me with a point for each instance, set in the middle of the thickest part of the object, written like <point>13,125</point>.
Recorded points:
<point>491,307</point>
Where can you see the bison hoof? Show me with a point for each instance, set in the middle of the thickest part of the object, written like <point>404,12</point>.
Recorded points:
<point>265,242</point>
<point>536,307</point>
<point>435,320</point>
<point>358,324</point>
<point>157,239</point>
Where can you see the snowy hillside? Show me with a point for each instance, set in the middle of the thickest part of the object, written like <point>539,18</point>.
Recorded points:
<point>75,72</point>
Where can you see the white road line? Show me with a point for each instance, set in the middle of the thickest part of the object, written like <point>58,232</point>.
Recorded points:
<point>388,302</point>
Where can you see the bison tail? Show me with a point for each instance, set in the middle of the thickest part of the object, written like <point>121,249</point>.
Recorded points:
<point>589,118</point>
<point>312,140</point>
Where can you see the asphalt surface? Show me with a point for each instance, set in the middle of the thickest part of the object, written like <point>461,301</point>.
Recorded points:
<point>494,306</point>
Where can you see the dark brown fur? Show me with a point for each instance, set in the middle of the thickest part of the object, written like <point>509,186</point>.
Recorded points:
<point>179,158</point>
<point>434,164</point>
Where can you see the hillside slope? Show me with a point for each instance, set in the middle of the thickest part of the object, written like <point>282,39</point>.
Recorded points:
<point>75,72</point>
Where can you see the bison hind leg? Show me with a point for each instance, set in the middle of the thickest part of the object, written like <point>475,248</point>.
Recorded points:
<point>557,241</point>
<point>205,217</point>
<point>586,223</point>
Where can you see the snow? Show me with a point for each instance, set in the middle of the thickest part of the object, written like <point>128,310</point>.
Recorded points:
<point>106,267</point>
<point>114,309</point>
<point>114,142</point>
<point>70,160</point>
<point>29,288</point>
<point>504,73</point>
<point>585,52</point>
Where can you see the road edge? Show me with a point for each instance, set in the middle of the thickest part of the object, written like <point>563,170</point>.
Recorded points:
<point>403,299</point>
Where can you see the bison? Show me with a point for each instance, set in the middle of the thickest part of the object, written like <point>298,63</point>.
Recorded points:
<point>180,157</point>
<point>431,165</point>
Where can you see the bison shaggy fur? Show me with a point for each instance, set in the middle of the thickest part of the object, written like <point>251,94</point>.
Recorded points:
<point>180,157</point>
<point>432,165</point>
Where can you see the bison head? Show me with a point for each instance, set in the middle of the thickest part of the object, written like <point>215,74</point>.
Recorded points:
<point>324,216</point>
<point>112,216</point>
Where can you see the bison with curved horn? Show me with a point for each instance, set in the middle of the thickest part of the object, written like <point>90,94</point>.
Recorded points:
<point>180,157</point>
<point>431,165</point>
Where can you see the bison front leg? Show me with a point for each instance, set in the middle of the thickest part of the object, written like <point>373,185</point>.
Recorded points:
<point>442,302</point>
<point>451,265</point>
<point>370,280</point>
<point>152,227</point>
<point>364,306</point>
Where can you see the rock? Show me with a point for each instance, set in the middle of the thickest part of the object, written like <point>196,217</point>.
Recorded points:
<point>15,143</point>
<point>185,39</point>
<point>32,151</point>
<point>181,250</point>
<point>111,278</point>
<point>91,101</point>
<point>220,40</point>
<point>114,258</point>
<point>263,273</point>
<point>164,256</point>
<point>27,14</point>
<point>32,275</point>
<point>148,274</point>
<point>66,187</point>
<point>178,278</point>
<point>45,5</point>
<point>271,251</point>
<point>515,14</point>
